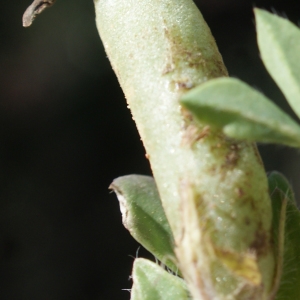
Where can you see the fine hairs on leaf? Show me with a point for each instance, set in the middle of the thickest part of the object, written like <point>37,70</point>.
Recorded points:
<point>151,282</point>
<point>286,227</point>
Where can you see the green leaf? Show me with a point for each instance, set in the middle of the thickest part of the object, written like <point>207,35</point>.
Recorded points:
<point>151,282</point>
<point>144,216</point>
<point>286,237</point>
<point>241,112</point>
<point>279,45</point>
<point>278,182</point>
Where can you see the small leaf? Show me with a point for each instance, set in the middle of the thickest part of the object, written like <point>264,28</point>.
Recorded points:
<point>279,45</point>
<point>241,112</point>
<point>151,282</point>
<point>286,237</point>
<point>144,216</point>
<point>278,181</point>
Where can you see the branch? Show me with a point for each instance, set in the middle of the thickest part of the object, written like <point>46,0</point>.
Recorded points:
<point>34,9</point>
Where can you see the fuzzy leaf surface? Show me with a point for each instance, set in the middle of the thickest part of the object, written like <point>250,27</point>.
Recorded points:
<point>144,216</point>
<point>241,112</point>
<point>289,287</point>
<point>279,45</point>
<point>151,282</point>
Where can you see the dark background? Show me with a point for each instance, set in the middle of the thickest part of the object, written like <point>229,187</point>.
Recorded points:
<point>66,133</point>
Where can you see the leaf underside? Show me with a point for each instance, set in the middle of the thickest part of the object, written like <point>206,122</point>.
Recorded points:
<point>241,112</point>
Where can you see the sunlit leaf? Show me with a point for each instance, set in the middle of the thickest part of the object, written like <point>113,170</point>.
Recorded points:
<point>279,45</point>
<point>241,112</point>
<point>151,282</point>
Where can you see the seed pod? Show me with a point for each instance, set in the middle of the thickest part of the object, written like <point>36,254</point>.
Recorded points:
<point>214,190</point>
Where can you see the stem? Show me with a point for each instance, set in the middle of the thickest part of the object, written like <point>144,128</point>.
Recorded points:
<point>214,190</point>
<point>34,9</point>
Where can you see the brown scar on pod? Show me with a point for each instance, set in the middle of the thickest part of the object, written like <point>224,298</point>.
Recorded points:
<point>34,9</point>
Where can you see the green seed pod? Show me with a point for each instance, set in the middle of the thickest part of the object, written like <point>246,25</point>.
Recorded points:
<point>213,189</point>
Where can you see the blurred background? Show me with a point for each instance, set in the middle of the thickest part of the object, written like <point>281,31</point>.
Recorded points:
<point>66,133</point>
